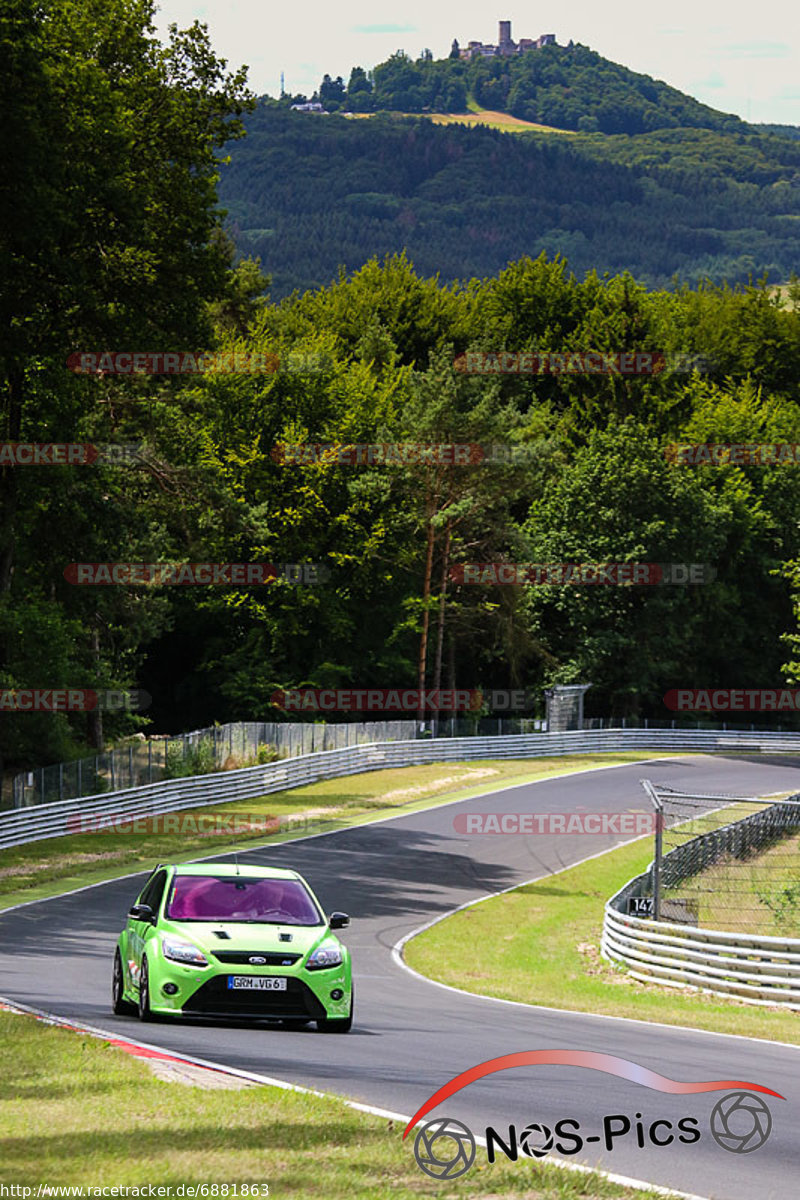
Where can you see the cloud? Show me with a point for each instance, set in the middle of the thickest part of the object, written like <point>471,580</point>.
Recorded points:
<point>384,28</point>
<point>714,80</point>
<point>756,50</point>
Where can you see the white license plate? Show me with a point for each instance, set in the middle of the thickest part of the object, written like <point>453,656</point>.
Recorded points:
<point>258,983</point>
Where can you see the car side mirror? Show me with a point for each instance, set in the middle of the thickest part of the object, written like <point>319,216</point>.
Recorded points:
<point>338,920</point>
<point>142,912</point>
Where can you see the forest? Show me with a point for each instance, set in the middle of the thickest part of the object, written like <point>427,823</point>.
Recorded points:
<point>311,194</point>
<point>107,250</point>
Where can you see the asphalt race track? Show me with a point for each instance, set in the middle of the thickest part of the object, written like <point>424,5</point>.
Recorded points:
<point>411,1036</point>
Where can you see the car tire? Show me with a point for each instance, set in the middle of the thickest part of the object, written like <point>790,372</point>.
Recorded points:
<point>145,1011</point>
<point>338,1024</point>
<point>119,1005</point>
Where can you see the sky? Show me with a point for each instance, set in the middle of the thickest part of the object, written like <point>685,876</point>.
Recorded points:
<point>739,58</point>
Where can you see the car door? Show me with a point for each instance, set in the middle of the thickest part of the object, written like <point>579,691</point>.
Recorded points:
<point>139,930</point>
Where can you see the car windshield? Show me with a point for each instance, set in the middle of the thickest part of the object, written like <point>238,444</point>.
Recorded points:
<point>241,898</point>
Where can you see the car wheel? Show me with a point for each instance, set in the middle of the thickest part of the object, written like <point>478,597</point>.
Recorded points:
<point>145,1011</point>
<point>119,1005</point>
<point>338,1024</point>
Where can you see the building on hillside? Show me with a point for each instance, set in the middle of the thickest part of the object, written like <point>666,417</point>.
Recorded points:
<point>310,106</point>
<point>506,46</point>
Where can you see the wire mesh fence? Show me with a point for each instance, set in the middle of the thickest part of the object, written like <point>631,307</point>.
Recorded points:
<point>220,747</point>
<point>729,863</point>
<point>224,747</point>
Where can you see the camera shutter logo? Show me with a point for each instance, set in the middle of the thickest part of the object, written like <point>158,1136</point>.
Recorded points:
<point>532,1134</point>
<point>444,1148</point>
<point>740,1122</point>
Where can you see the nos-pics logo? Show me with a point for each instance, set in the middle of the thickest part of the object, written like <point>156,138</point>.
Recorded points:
<point>445,1148</point>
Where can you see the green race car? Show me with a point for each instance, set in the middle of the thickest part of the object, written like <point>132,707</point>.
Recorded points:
<point>223,940</point>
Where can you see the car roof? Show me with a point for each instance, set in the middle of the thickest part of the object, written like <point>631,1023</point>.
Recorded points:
<point>227,868</point>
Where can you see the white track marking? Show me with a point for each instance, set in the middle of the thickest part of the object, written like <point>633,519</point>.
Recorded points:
<point>270,1081</point>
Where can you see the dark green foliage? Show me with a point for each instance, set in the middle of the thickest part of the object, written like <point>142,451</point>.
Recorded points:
<point>111,240</point>
<point>310,194</point>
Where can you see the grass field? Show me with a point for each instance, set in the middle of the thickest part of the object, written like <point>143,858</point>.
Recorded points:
<point>540,944</point>
<point>481,116</point>
<point>756,895</point>
<point>495,120</point>
<point>76,1111</point>
<point>56,865</point>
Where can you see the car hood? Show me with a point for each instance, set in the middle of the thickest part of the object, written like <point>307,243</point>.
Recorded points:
<point>244,936</point>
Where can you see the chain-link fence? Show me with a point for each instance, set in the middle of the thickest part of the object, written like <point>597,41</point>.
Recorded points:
<point>728,863</point>
<point>139,761</point>
<point>679,723</point>
<point>222,747</point>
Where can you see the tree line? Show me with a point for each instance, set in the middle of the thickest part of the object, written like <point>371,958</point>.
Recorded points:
<point>123,251</point>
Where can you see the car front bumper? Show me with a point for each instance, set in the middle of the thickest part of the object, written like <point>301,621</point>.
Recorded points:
<point>204,991</point>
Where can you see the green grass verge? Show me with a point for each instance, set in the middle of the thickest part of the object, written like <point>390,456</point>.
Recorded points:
<point>540,944</point>
<point>46,868</point>
<point>77,1111</point>
<point>758,895</point>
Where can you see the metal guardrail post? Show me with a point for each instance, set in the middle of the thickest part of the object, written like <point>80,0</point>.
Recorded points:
<point>658,849</point>
<point>657,867</point>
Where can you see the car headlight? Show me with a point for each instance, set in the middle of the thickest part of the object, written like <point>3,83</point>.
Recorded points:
<point>324,956</point>
<point>183,952</point>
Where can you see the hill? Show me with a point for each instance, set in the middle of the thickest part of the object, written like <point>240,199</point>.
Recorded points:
<point>569,87</point>
<point>311,194</point>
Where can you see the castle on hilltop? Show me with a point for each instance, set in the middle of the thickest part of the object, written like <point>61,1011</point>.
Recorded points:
<point>505,46</point>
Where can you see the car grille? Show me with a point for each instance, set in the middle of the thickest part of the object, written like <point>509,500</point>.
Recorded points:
<point>272,958</point>
<point>216,999</point>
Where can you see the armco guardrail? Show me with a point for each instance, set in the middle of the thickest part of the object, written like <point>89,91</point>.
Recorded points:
<point>58,819</point>
<point>750,967</point>
<point>760,970</point>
